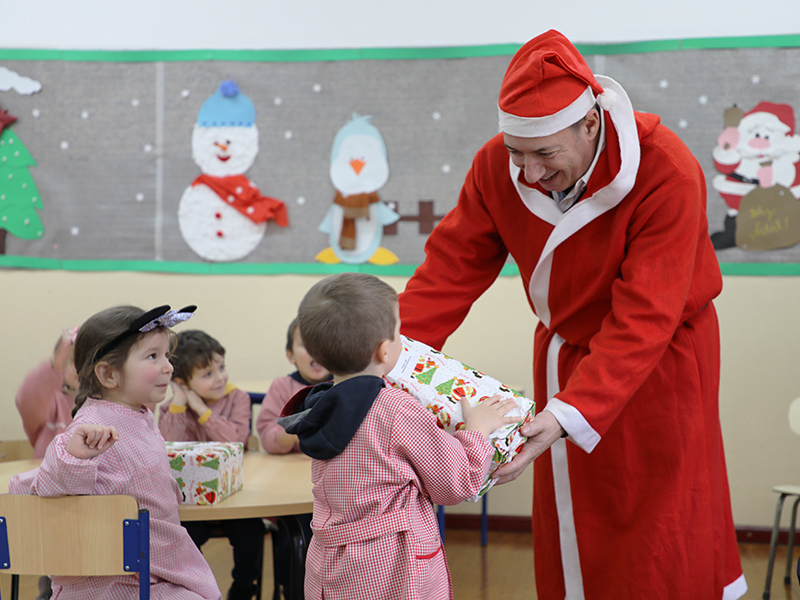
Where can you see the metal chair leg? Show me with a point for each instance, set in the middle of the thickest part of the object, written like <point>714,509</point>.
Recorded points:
<point>773,544</point>
<point>787,580</point>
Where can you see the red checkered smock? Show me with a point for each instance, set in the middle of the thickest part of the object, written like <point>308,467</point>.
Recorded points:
<point>375,529</point>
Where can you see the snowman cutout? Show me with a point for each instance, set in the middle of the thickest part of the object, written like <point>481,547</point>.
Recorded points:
<point>354,223</point>
<point>222,216</point>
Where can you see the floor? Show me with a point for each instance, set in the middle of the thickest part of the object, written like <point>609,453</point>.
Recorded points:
<point>503,570</point>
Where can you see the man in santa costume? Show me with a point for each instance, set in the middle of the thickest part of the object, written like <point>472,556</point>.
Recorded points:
<point>604,211</point>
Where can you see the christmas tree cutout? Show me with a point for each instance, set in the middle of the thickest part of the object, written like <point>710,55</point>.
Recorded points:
<point>19,197</point>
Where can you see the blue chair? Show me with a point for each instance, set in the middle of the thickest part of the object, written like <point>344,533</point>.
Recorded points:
<point>106,535</point>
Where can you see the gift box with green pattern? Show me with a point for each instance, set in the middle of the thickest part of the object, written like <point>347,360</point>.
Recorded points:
<point>206,472</point>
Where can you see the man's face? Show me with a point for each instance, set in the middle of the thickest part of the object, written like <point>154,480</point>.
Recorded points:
<point>556,161</point>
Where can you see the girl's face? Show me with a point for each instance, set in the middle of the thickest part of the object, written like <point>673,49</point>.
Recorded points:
<point>309,369</point>
<point>147,371</point>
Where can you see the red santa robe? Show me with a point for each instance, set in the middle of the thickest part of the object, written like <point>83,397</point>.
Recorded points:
<point>626,355</point>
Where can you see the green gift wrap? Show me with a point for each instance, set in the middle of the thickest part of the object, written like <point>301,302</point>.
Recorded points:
<point>206,472</point>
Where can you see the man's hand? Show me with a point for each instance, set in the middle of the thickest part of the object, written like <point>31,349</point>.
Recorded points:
<point>542,432</point>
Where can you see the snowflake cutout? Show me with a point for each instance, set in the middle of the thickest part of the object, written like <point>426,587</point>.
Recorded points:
<point>755,79</point>
<point>84,114</point>
<point>436,116</point>
<point>140,197</point>
<point>36,113</point>
<point>316,88</point>
<point>663,84</point>
<point>301,200</point>
<point>148,148</point>
<point>288,135</point>
<point>683,123</point>
<point>277,101</point>
<point>702,100</point>
<point>64,145</point>
<point>135,102</point>
<point>446,169</point>
<point>75,231</point>
<point>185,93</point>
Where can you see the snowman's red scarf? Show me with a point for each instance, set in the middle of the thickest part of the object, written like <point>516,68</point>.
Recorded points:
<point>237,191</point>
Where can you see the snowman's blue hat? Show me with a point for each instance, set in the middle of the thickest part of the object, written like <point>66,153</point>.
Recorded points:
<point>228,107</point>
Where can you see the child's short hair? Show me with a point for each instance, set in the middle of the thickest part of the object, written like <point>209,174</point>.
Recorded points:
<point>344,318</point>
<point>195,350</point>
<point>94,334</point>
<point>290,335</point>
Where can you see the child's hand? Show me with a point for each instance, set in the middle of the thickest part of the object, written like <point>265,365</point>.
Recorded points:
<point>487,417</point>
<point>90,440</point>
<point>61,353</point>
<point>196,402</point>
<point>178,393</point>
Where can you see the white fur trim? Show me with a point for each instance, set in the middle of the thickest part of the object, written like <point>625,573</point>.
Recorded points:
<point>542,126</point>
<point>607,99</point>
<point>736,589</point>
<point>568,538</point>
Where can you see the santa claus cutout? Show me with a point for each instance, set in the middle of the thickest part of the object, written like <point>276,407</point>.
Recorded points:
<point>758,154</point>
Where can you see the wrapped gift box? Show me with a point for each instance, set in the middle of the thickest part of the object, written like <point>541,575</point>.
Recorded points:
<point>206,472</point>
<point>440,383</point>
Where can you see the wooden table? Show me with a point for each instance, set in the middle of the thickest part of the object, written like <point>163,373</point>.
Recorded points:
<point>274,486</point>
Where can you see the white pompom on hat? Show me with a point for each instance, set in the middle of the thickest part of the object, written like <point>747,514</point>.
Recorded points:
<point>547,87</point>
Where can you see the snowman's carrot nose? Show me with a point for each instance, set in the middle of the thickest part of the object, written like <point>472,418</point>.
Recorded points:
<point>357,165</point>
<point>223,147</point>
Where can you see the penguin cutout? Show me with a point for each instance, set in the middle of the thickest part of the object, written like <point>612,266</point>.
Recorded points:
<point>354,223</point>
<point>222,216</point>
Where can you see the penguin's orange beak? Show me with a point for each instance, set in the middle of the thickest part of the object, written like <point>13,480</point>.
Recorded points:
<point>357,165</point>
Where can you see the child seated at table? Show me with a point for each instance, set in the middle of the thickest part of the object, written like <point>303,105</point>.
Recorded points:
<point>46,397</point>
<point>205,407</point>
<point>274,438</point>
<point>380,458</point>
<point>113,446</point>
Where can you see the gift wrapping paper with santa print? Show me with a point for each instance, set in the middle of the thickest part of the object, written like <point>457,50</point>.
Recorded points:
<point>206,472</point>
<point>440,383</point>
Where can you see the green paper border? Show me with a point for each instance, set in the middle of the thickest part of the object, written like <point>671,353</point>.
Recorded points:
<point>443,52</point>
<point>191,268</point>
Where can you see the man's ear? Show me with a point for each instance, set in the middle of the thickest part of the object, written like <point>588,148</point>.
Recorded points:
<point>107,375</point>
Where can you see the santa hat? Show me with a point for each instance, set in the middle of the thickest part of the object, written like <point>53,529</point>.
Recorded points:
<point>782,112</point>
<point>227,108</point>
<point>547,87</point>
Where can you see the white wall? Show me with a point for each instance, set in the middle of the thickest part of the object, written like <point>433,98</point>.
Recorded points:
<point>307,24</point>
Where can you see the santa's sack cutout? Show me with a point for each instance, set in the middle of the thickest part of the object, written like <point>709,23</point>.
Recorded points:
<point>222,216</point>
<point>758,155</point>
<point>354,223</point>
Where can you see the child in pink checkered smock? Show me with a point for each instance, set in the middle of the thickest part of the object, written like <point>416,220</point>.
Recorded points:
<point>46,397</point>
<point>380,458</point>
<point>113,446</point>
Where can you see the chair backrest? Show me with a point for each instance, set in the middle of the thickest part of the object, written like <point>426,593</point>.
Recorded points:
<point>15,450</point>
<point>74,536</point>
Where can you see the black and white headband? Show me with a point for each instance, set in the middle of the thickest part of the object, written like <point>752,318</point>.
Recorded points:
<point>161,316</point>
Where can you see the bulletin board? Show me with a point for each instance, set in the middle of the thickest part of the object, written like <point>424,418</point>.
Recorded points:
<point>104,145</point>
